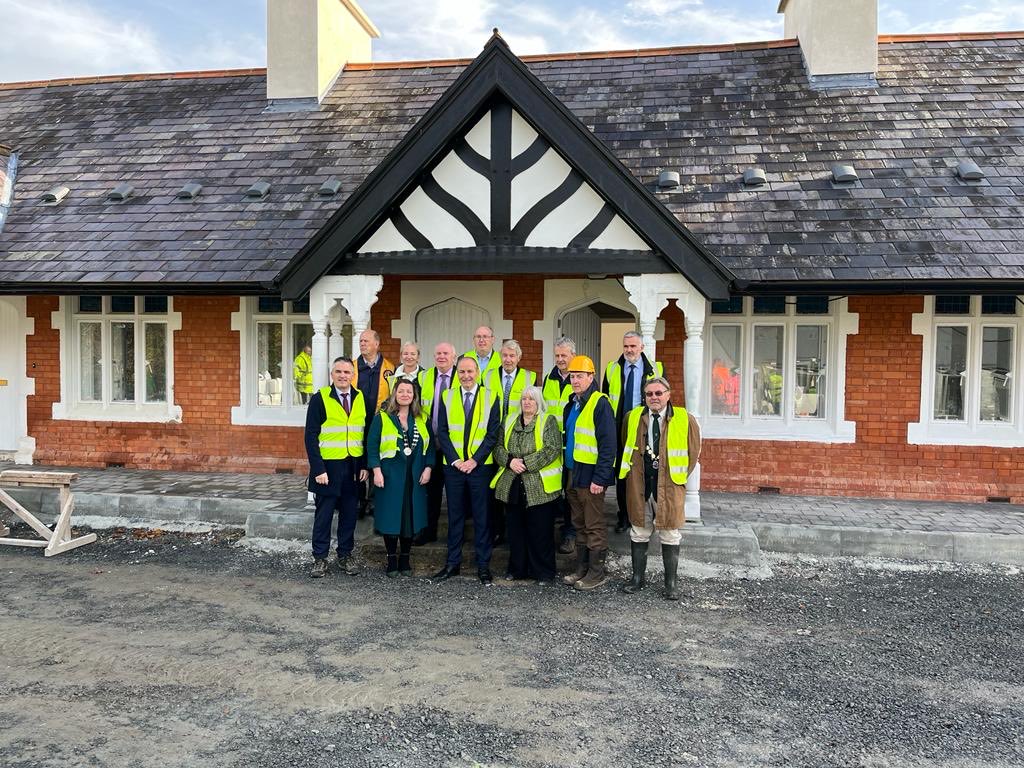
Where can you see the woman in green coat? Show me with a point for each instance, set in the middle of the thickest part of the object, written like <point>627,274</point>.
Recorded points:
<point>400,453</point>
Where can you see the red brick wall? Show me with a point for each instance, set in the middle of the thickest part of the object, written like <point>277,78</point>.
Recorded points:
<point>883,388</point>
<point>206,385</point>
<point>670,349</point>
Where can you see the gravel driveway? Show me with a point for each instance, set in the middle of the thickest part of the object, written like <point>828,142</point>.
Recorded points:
<point>188,650</point>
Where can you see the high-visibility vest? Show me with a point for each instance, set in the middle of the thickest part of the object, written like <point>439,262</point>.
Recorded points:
<point>551,475</point>
<point>613,375</point>
<point>556,396</point>
<point>341,434</point>
<point>427,383</point>
<point>496,383</point>
<point>389,435</point>
<point>676,451</point>
<point>478,425</point>
<point>302,373</point>
<point>584,450</point>
<point>494,361</point>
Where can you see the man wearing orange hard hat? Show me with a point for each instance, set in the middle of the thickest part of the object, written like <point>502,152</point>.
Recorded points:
<point>590,447</point>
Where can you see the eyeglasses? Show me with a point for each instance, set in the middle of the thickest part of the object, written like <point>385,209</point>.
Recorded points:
<point>659,393</point>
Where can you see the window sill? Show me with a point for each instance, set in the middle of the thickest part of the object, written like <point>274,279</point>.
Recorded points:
<point>268,417</point>
<point>817,431</point>
<point>149,413</point>
<point>991,435</point>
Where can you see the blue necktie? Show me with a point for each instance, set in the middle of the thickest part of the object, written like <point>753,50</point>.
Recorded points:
<point>630,382</point>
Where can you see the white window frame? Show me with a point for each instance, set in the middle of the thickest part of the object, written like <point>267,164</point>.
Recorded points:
<point>972,430</point>
<point>249,412</point>
<point>67,321</point>
<point>830,428</point>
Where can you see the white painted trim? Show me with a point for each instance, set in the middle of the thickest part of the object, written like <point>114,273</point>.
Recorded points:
<point>834,428</point>
<point>420,294</point>
<point>69,409</point>
<point>26,386</point>
<point>972,431</point>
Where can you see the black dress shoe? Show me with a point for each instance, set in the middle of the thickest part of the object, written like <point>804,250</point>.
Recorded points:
<point>444,574</point>
<point>484,574</point>
<point>620,527</point>
<point>424,538</point>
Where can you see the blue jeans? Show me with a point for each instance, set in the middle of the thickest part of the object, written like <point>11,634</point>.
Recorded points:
<point>468,495</point>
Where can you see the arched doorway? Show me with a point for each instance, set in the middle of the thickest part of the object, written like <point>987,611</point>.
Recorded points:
<point>451,320</point>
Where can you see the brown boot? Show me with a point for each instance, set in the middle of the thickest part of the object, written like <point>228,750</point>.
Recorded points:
<point>597,575</point>
<point>582,565</point>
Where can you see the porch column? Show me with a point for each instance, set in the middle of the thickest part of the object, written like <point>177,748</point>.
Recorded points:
<point>356,293</point>
<point>336,344</point>
<point>321,366</point>
<point>644,291</point>
<point>693,375</point>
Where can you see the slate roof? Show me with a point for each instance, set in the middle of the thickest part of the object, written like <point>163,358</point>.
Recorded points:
<point>708,113</point>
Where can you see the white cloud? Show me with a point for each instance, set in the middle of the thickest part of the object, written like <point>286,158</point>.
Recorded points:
<point>990,16</point>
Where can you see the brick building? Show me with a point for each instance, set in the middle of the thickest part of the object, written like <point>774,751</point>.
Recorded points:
<point>821,241</point>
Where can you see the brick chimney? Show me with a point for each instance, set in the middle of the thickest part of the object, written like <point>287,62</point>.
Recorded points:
<point>308,44</point>
<point>838,39</point>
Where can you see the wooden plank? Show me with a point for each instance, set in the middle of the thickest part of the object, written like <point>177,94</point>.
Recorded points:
<point>50,551</point>
<point>62,530</point>
<point>24,514</point>
<point>24,542</point>
<point>25,476</point>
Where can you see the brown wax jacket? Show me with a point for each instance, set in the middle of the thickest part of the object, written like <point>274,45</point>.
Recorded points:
<point>671,497</point>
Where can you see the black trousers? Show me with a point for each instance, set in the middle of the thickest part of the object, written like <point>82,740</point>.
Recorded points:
<point>435,492</point>
<point>531,543</point>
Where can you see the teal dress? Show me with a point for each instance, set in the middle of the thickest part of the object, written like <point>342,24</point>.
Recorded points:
<point>400,507</point>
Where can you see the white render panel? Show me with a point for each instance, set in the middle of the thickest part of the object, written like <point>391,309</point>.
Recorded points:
<point>437,225</point>
<point>479,136</point>
<point>386,238</point>
<point>618,234</point>
<point>529,187</point>
<point>565,222</point>
<point>451,320</point>
<point>523,134</point>
<point>457,179</point>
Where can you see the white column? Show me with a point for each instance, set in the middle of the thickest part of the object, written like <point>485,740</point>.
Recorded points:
<point>693,376</point>
<point>357,294</point>
<point>644,291</point>
<point>336,344</point>
<point>321,364</point>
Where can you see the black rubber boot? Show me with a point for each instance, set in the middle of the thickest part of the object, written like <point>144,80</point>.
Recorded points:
<point>639,552</point>
<point>670,554</point>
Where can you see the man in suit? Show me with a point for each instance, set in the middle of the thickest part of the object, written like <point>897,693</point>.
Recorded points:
<point>468,427</point>
<point>433,383</point>
<point>335,438</point>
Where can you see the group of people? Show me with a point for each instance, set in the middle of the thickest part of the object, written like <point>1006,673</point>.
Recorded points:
<point>513,454</point>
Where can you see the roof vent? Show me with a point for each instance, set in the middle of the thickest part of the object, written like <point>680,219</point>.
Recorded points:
<point>754,177</point>
<point>121,192</point>
<point>329,188</point>
<point>55,194</point>
<point>843,174</point>
<point>190,191</point>
<point>259,189</point>
<point>968,170</point>
<point>668,179</point>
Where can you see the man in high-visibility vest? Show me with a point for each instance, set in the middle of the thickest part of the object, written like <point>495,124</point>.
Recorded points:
<point>483,351</point>
<point>557,391</point>
<point>624,384</point>
<point>661,447</point>
<point>433,383</point>
<point>468,427</point>
<point>302,374</point>
<point>589,428</point>
<point>335,439</point>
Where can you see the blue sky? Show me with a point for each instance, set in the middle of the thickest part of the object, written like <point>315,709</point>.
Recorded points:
<point>67,38</point>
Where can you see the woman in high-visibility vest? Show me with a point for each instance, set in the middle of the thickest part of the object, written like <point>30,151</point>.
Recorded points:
<point>529,482</point>
<point>400,453</point>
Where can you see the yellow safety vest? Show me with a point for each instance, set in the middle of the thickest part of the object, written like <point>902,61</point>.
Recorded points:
<point>389,435</point>
<point>556,396</point>
<point>457,420</point>
<point>677,450</point>
<point>341,434</point>
<point>302,373</point>
<point>613,375</point>
<point>584,450</point>
<point>427,380</point>
<point>551,475</point>
<point>494,361</point>
<point>496,383</point>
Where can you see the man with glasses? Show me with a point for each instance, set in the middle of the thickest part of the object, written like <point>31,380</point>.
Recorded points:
<point>661,446</point>
<point>483,352</point>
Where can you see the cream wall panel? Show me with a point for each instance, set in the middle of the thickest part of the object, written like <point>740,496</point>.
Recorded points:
<point>467,185</point>
<point>535,182</point>
<point>566,221</point>
<point>437,225</point>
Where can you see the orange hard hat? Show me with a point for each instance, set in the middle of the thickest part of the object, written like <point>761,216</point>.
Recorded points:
<point>581,364</point>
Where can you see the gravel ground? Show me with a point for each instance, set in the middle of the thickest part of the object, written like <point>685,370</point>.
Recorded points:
<point>186,649</point>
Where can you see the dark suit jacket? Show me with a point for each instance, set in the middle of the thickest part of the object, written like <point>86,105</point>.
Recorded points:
<point>444,441</point>
<point>603,472</point>
<point>648,370</point>
<point>337,469</point>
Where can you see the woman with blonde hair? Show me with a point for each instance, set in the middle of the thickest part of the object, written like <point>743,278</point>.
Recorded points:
<point>529,481</point>
<point>400,453</point>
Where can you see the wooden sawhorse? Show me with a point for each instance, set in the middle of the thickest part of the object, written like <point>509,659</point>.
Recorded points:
<point>59,539</point>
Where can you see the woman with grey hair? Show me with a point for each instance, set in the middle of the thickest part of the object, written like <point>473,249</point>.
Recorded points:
<point>529,482</point>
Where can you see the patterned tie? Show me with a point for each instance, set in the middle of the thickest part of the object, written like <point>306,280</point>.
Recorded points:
<point>467,405</point>
<point>442,386</point>
<point>630,383</point>
<point>344,403</point>
<point>508,392</point>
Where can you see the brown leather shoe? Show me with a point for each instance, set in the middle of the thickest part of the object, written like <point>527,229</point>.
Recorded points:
<point>596,575</point>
